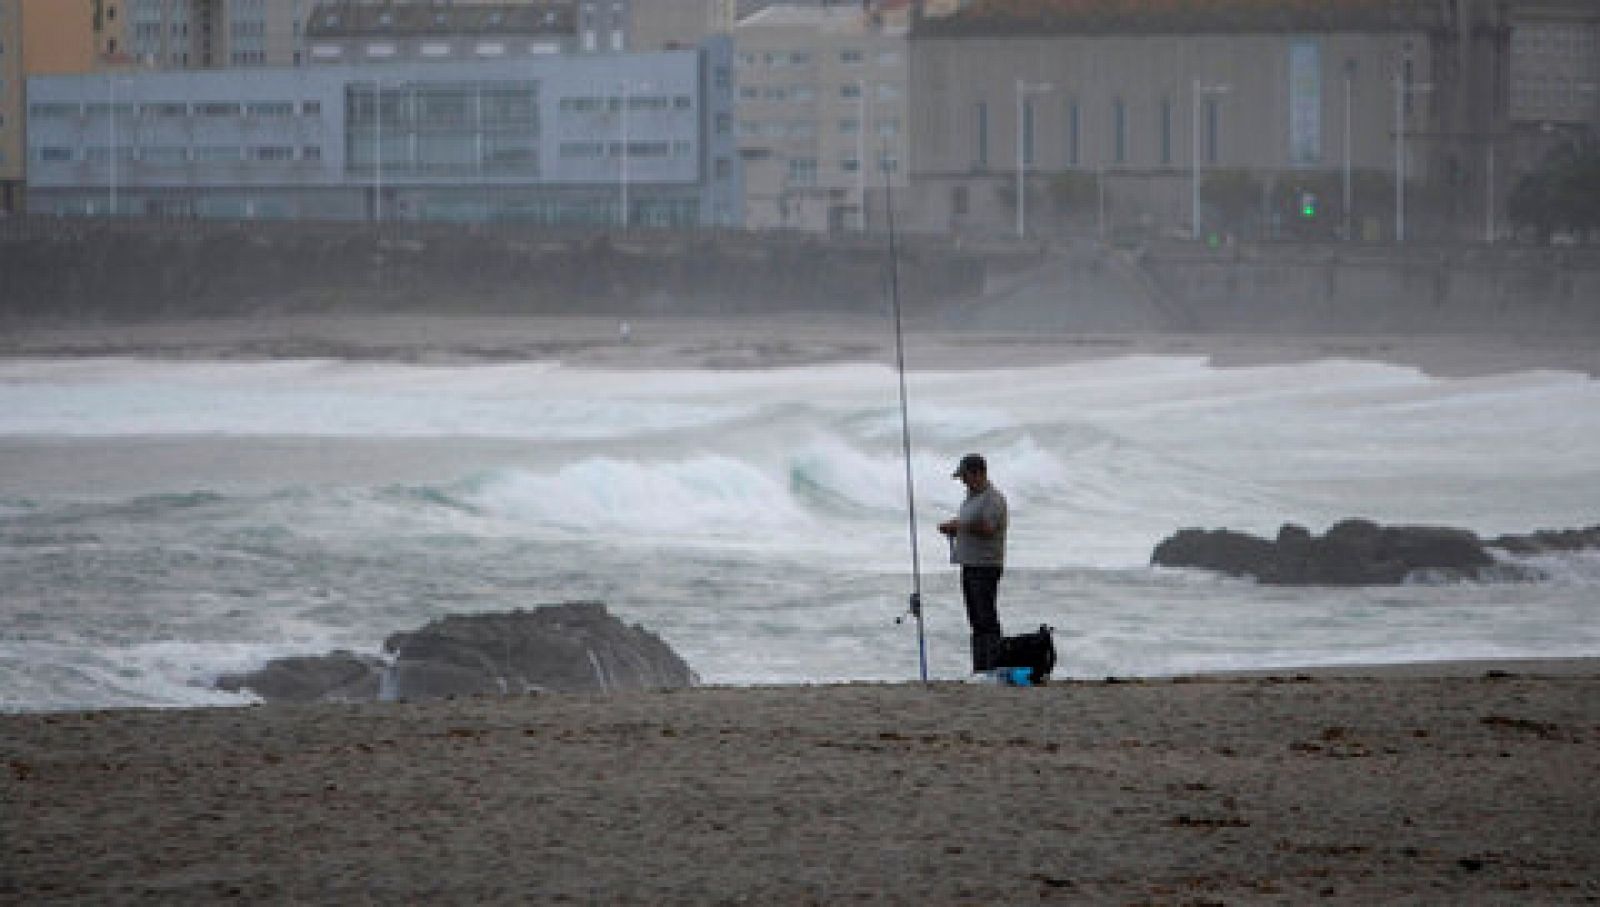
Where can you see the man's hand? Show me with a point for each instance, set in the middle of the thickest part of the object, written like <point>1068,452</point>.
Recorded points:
<point>950,527</point>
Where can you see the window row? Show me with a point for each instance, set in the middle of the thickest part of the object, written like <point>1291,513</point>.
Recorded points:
<point>178,154</point>
<point>646,149</point>
<point>781,59</point>
<point>1113,136</point>
<point>175,109</point>
<point>886,91</point>
<point>887,127</point>
<point>596,103</point>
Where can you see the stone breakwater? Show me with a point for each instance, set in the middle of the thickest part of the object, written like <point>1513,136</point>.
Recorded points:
<point>1362,553</point>
<point>574,647</point>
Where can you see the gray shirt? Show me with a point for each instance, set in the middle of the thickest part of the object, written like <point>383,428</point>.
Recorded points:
<point>972,549</point>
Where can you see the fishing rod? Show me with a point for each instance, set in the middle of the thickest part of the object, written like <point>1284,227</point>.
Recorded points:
<point>915,604</point>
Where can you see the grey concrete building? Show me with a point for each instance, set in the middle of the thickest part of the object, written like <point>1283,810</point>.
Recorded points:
<point>1555,79</point>
<point>1291,121</point>
<point>629,140</point>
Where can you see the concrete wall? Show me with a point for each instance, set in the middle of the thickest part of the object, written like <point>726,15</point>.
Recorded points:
<point>90,269</point>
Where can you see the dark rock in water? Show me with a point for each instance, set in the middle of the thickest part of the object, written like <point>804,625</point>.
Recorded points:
<point>1545,541</point>
<point>336,677</point>
<point>1351,553</point>
<point>568,648</point>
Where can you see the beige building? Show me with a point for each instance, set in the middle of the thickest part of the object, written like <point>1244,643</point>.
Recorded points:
<point>46,37</point>
<point>822,105</point>
<point>12,170</point>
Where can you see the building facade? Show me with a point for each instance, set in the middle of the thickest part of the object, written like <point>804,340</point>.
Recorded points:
<point>823,94</point>
<point>1555,81</point>
<point>12,155</point>
<point>662,24</point>
<point>1111,132</point>
<point>593,140</point>
<point>1353,118</point>
<point>351,34</point>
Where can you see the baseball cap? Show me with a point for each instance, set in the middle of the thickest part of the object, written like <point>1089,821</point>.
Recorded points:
<point>970,463</point>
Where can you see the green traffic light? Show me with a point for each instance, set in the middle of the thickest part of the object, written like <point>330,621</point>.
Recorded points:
<point>1308,211</point>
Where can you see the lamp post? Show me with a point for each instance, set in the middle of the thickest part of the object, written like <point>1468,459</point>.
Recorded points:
<point>861,151</point>
<point>111,144</point>
<point>1194,157</point>
<point>1401,92</point>
<point>1024,88</point>
<point>624,175</point>
<point>1349,193</point>
<point>377,152</point>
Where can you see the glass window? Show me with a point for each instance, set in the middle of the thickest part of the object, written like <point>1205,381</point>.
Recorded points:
<point>270,109</point>
<point>803,171</point>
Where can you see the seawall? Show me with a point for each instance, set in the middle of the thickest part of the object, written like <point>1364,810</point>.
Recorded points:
<point>131,270</point>
<point>75,270</point>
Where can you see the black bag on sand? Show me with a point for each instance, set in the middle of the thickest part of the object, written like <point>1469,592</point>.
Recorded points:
<point>1035,651</point>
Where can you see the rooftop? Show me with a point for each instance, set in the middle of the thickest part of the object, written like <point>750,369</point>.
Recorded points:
<point>349,19</point>
<point>1005,18</point>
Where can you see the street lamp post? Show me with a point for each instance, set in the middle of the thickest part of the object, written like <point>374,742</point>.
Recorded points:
<point>1349,193</point>
<point>1024,88</point>
<point>1401,92</point>
<point>112,198</point>
<point>111,145</point>
<point>861,152</point>
<point>625,174</point>
<point>1194,157</point>
<point>377,152</point>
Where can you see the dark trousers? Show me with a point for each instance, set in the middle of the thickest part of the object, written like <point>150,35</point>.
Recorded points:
<point>980,587</point>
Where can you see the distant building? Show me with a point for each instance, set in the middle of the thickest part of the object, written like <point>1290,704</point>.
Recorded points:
<point>45,37</point>
<point>213,34</point>
<point>659,24</point>
<point>1555,77</point>
<point>1111,108</point>
<point>822,116</point>
<point>349,34</point>
<point>640,140</point>
<point>12,80</point>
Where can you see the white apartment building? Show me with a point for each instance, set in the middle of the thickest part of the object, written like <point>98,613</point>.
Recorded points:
<point>822,100</point>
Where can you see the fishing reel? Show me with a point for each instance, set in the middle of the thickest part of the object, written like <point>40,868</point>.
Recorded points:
<point>913,609</point>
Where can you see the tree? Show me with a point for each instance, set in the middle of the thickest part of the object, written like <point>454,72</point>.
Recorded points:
<point>1562,196</point>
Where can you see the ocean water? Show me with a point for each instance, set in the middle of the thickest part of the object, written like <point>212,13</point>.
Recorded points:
<point>162,522</point>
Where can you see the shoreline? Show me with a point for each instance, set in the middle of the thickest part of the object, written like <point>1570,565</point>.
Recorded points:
<point>742,342</point>
<point>1353,790</point>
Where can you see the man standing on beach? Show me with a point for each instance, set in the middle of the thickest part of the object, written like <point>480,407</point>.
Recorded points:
<point>978,543</point>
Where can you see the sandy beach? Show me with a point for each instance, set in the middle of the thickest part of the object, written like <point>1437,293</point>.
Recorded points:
<point>1432,784</point>
<point>1435,786</point>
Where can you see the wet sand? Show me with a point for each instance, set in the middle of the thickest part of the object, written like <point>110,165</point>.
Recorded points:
<point>1360,787</point>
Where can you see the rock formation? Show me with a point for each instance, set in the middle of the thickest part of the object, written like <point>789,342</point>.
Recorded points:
<point>573,647</point>
<point>1360,553</point>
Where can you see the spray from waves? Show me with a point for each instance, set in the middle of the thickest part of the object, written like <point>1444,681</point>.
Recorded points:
<point>702,495</point>
<point>1560,568</point>
<point>46,676</point>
